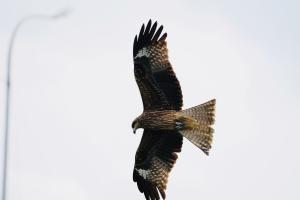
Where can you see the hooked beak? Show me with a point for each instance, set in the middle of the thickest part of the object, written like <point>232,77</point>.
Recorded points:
<point>135,128</point>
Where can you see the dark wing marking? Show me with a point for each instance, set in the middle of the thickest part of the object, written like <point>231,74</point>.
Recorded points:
<point>154,160</point>
<point>154,74</point>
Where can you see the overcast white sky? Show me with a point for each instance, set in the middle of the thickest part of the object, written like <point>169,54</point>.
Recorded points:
<point>74,97</point>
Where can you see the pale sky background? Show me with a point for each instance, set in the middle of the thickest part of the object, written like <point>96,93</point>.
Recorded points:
<point>74,97</point>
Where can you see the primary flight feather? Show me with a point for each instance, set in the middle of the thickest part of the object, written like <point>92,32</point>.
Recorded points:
<point>163,120</point>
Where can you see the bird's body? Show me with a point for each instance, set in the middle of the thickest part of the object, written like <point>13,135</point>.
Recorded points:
<point>158,120</point>
<point>166,120</point>
<point>163,120</point>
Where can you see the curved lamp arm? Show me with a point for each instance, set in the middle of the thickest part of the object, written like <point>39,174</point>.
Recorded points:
<point>8,82</point>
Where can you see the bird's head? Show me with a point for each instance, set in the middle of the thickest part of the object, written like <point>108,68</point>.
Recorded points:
<point>135,125</point>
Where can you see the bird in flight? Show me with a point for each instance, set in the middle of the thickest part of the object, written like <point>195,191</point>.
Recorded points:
<point>163,120</point>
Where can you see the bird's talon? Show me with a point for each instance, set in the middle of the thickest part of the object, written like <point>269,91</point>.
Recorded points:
<point>178,125</point>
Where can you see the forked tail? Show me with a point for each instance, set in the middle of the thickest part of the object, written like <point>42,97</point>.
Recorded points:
<point>201,132</point>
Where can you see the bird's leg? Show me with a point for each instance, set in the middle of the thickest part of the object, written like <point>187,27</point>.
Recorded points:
<point>178,125</point>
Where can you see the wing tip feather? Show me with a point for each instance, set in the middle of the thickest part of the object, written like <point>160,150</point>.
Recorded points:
<point>148,35</point>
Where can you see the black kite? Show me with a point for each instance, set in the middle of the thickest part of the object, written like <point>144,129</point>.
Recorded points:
<point>163,120</point>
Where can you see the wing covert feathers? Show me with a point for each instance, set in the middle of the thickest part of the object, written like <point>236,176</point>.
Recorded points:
<point>154,74</point>
<point>154,161</point>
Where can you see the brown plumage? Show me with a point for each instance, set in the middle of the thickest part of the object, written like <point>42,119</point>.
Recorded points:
<point>163,121</point>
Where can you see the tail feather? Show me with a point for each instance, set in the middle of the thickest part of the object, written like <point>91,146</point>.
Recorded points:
<point>204,113</point>
<point>202,134</point>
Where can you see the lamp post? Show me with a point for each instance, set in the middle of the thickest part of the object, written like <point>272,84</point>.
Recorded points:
<point>8,86</point>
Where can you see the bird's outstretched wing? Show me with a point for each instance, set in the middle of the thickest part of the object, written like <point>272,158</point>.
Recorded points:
<point>154,160</point>
<point>160,90</point>
<point>154,75</point>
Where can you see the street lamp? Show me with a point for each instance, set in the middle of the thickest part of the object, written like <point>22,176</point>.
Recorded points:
<point>8,85</point>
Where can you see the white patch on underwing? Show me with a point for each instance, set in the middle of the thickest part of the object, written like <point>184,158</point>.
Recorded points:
<point>142,52</point>
<point>143,173</point>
